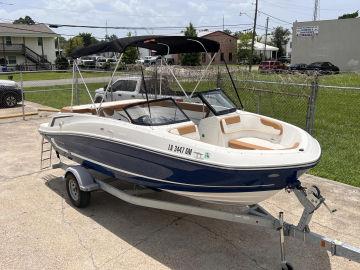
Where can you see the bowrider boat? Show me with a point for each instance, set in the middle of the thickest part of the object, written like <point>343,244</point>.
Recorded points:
<point>209,150</point>
<point>230,156</point>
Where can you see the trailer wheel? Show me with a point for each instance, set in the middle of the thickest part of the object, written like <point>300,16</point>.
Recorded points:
<point>287,266</point>
<point>77,197</point>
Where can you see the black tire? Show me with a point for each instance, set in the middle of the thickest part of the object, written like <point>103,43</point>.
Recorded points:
<point>10,100</point>
<point>98,99</point>
<point>77,197</point>
<point>287,266</point>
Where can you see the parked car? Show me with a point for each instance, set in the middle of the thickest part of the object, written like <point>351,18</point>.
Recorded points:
<point>151,60</point>
<point>133,88</point>
<point>323,68</point>
<point>140,61</point>
<point>298,67</point>
<point>271,66</point>
<point>100,62</point>
<point>10,93</point>
<point>87,61</point>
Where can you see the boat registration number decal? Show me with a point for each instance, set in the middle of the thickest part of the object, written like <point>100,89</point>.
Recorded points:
<point>180,149</point>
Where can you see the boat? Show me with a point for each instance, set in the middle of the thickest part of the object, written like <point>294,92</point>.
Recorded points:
<point>208,150</point>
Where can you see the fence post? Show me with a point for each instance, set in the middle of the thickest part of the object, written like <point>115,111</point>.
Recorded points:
<point>218,78</point>
<point>22,94</point>
<point>258,102</point>
<point>77,100</point>
<point>310,118</point>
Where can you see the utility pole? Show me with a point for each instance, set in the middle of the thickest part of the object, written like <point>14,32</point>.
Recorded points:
<point>106,30</point>
<point>223,23</point>
<point>316,10</point>
<point>253,36</point>
<point>266,35</point>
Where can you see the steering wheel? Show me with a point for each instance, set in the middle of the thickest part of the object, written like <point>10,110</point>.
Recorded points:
<point>145,119</point>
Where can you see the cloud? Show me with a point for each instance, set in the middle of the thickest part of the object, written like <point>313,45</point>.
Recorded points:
<point>199,7</point>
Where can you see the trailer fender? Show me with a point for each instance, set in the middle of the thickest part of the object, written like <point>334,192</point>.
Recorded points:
<point>85,180</point>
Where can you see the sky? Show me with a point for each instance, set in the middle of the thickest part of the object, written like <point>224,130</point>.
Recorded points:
<point>237,15</point>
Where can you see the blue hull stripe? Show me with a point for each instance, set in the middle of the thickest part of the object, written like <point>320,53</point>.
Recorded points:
<point>177,174</point>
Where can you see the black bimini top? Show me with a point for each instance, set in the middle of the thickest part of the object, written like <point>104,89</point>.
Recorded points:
<point>161,44</point>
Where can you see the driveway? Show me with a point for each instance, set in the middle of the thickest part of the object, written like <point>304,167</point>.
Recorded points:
<point>40,229</point>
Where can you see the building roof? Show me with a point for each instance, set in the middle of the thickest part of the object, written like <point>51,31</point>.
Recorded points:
<point>207,33</point>
<point>258,46</point>
<point>25,30</point>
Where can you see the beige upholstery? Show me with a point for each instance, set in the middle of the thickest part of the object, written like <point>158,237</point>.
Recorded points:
<point>230,124</point>
<point>188,131</point>
<point>258,144</point>
<point>272,124</point>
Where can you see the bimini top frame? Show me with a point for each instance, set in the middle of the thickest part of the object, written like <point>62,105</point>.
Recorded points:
<point>161,44</point>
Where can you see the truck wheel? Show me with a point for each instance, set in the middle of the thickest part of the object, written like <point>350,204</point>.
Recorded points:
<point>77,197</point>
<point>98,99</point>
<point>10,100</point>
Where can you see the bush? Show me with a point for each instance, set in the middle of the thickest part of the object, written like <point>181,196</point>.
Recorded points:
<point>61,63</point>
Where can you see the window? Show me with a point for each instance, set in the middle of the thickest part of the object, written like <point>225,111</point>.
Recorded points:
<point>156,112</point>
<point>12,59</point>
<point>8,41</point>
<point>124,85</point>
<point>222,56</point>
<point>40,41</point>
<point>230,57</point>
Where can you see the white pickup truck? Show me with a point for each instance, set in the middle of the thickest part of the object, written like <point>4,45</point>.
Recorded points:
<point>133,88</point>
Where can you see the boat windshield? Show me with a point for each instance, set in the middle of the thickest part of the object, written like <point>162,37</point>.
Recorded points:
<point>217,102</point>
<point>156,112</point>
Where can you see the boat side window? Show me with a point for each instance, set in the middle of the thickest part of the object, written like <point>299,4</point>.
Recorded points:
<point>217,102</point>
<point>124,85</point>
<point>156,112</point>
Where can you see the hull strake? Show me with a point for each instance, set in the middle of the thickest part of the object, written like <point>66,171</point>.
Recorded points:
<point>165,172</point>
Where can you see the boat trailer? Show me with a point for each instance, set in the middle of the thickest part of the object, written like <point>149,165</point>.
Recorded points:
<point>81,181</point>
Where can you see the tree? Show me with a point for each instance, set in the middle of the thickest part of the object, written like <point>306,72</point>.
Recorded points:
<point>61,63</point>
<point>131,54</point>
<point>244,46</point>
<point>280,37</point>
<point>349,15</point>
<point>72,44</point>
<point>190,59</point>
<point>25,20</point>
<point>88,39</point>
<point>111,37</point>
<point>227,31</point>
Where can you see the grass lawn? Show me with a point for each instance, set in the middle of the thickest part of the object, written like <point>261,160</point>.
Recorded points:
<point>50,75</point>
<point>337,125</point>
<point>60,96</point>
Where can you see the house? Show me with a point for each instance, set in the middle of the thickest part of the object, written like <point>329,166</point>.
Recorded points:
<point>260,49</point>
<point>228,47</point>
<point>287,48</point>
<point>335,41</point>
<point>30,46</point>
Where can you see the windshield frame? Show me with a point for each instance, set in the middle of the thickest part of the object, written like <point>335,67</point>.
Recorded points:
<point>212,109</point>
<point>133,121</point>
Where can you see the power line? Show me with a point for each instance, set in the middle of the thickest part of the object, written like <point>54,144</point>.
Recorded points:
<point>281,20</point>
